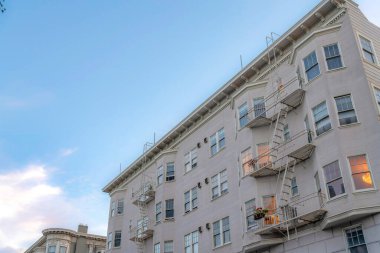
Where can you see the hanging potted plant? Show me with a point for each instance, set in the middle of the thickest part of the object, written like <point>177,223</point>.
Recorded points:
<point>260,213</point>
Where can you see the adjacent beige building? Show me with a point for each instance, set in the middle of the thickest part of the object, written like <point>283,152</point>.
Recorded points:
<point>296,133</point>
<point>60,240</point>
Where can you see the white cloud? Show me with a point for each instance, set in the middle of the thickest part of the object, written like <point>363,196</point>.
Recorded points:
<point>67,151</point>
<point>370,9</point>
<point>29,204</point>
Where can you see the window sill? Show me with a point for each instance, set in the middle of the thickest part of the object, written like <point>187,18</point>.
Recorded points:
<point>191,211</point>
<point>221,195</point>
<point>187,172</point>
<point>334,70</point>
<point>169,220</point>
<point>221,246</point>
<point>312,80</point>
<point>365,191</point>
<point>171,181</point>
<point>220,150</point>
<point>324,133</point>
<point>372,64</point>
<point>349,125</point>
<point>344,195</point>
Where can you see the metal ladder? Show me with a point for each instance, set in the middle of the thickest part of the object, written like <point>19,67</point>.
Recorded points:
<point>277,136</point>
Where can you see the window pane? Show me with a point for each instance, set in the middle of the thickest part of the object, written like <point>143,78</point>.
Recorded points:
<point>335,188</point>
<point>377,95</point>
<point>366,44</point>
<point>358,163</point>
<point>269,202</point>
<point>157,248</point>
<point>51,249</point>
<point>263,153</point>
<point>62,249</point>
<point>311,66</point>
<point>243,115</point>
<point>246,158</point>
<point>333,57</point>
<point>259,107</point>
<point>168,247</point>
<point>362,181</point>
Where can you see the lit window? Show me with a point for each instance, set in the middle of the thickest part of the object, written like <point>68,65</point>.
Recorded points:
<point>367,48</point>
<point>109,241</point>
<point>221,232</point>
<point>269,202</point>
<point>361,174</point>
<point>321,118</point>
<point>311,66</point>
<point>120,206</point>
<point>355,240</point>
<point>191,242</point>
<point>62,249</point>
<point>117,241</point>
<point>217,141</point>
<point>113,207</point>
<point>286,133</point>
<point>191,160</point>
<point>294,186</point>
<point>168,247</point>
<point>259,107</point>
<point>334,180</point>
<point>170,172</point>
<point>157,248</point>
<point>263,155</point>
<point>158,211</point>
<point>250,208</point>
<point>169,208</point>
<point>51,249</point>
<point>160,175</point>
<point>246,161</point>
<point>219,184</point>
<point>346,111</point>
<point>191,200</point>
<point>377,96</point>
<point>333,57</point>
<point>243,115</point>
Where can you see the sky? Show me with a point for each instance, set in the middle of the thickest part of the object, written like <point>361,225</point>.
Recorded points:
<point>84,84</point>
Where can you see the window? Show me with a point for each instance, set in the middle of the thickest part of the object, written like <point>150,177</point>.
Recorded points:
<point>170,172</point>
<point>346,111</point>
<point>142,226</point>
<point>246,161</point>
<point>263,154</point>
<point>51,249</point>
<point>333,57</point>
<point>221,232</point>
<point>361,173</point>
<point>158,211</point>
<point>377,96</point>
<point>286,133</point>
<point>321,118</point>
<point>355,240</point>
<point>367,49</point>
<point>219,184</point>
<point>191,242</point>
<point>311,66</point>
<point>62,249</point>
<point>191,200</point>
<point>250,208</point>
<point>243,115</point>
<point>113,207</point>
<point>294,186</point>
<point>160,175</point>
<point>191,160</point>
<point>120,206</point>
<point>334,180</point>
<point>168,247</point>
<point>169,210</point>
<point>269,202</point>
<point>259,107</point>
<point>109,241</point>
<point>117,241</point>
<point>157,248</point>
<point>217,141</point>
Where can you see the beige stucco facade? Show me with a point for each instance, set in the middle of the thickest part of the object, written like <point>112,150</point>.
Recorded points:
<point>319,174</point>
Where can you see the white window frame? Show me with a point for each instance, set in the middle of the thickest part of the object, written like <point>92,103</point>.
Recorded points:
<point>369,170</point>
<point>325,181</point>
<point>166,209</point>
<point>191,160</point>
<point>113,209</point>
<point>221,232</point>
<point>158,213</point>
<point>193,200</point>
<point>286,139</point>
<point>157,248</point>
<point>168,242</point>
<point>249,153</point>
<point>219,184</point>
<point>255,225</point>
<point>353,106</point>
<point>304,68</point>
<point>218,141</point>
<point>264,113</point>
<point>296,186</point>
<point>340,53</point>
<point>362,51</point>
<point>160,175</point>
<point>192,242</point>
<point>346,239</point>
<point>109,240</point>
<point>120,207</point>
<point>374,87</point>
<point>169,178</point>
<point>48,248</point>
<point>314,122</point>
<point>118,232</point>
<point>245,104</point>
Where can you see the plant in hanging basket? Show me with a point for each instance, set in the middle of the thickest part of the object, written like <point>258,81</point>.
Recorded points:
<point>260,213</point>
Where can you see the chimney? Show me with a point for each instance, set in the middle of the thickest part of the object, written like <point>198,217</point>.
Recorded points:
<point>82,228</point>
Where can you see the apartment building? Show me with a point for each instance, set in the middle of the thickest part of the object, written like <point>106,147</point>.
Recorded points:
<point>61,240</point>
<point>285,157</point>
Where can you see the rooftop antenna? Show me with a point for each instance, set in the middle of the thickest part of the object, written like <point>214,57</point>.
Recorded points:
<point>241,61</point>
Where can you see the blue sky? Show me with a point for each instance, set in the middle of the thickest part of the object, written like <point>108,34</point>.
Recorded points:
<point>84,84</point>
